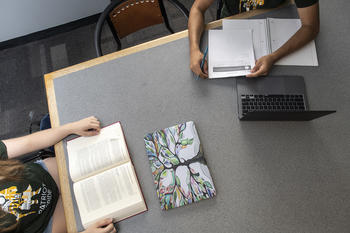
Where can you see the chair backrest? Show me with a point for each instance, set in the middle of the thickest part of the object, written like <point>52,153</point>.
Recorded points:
<point>132,15</point>
<point>127,16</point>
<point>31,157</point>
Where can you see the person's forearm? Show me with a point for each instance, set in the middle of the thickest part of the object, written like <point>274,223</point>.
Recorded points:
<point>36,141</point>
<point>89,126</point>
<point>49,137</point>
<point>303,36</point>
<point>195,28</point>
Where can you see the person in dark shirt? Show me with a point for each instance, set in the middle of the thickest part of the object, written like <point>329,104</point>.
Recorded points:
<point>29,193</point>
<point>308,12</point>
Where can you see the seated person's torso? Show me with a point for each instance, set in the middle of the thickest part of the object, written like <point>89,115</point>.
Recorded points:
<point>31,201</point>
<point>232,7</point>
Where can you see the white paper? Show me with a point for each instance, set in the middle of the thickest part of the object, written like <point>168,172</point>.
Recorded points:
<point>231,53</point>
<point>258,27</point>
<point>281,30</point>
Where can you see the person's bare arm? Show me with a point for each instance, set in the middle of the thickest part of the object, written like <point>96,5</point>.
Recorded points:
<point>310,20</point>
<point>45,138</point>
<point>195,30</point>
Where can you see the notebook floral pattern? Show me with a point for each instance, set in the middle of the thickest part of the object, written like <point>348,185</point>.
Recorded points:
<point>179,169</point>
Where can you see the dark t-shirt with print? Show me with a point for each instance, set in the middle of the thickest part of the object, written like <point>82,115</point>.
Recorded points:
<point>232,7</point>
<point>30,201</point>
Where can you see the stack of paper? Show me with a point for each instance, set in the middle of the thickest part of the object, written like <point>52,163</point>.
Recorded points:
<point>231,49</point>
<point>231,53</point>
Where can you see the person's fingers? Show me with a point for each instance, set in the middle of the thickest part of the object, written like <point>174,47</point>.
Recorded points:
<point>255,69</point>
<point>94,122</point>
<point>251,75</point>
<point>258,74</point>
<point>197,71</point>
<point>255,74</point>
<point>203,75</point>
<point>204,70</point>
<point>205,67</point>
<point>94,118</point>
<point>88,133</point>
<point>90,119</point>
<point>108,229</point>
<point>103,222</point>
<point>87,123</point>
<point>195,64</point>
<point>95,126</point>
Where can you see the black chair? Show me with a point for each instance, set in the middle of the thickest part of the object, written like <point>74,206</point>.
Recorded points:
<point>127,16</point>
<point>37,155</point>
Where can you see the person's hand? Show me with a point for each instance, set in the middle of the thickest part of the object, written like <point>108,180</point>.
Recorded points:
<point>102,226</point>
<point>195,64</point>
<point>89,126</point>
<point>262,66</point>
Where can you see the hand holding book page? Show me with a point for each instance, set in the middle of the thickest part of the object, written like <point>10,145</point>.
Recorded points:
<point>179,169</point>
<point>105,183</point>
<point>231,53</point>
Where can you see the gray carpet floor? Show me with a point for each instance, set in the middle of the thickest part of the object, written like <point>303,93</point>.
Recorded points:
<point>22,68</point>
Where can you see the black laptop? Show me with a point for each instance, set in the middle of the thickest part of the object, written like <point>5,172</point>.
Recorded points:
<point>274,98</point>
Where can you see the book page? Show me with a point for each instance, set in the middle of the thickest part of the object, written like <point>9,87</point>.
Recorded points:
<point>114,193</point>
<point>91,155</point>
<point>231,53</point>
<point>258,27</point>
<point>280,32</point>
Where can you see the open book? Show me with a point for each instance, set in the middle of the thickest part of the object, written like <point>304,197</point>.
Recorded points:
<point>104,179</point>
<point>180,172</point>
<point>270,34</point>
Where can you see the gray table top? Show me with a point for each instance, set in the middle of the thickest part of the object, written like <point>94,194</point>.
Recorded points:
<point>270,176</point>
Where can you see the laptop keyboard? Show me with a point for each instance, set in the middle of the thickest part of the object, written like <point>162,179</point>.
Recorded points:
<point>275,103</point>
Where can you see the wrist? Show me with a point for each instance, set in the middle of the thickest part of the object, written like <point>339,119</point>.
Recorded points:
<point>275,57</point>
<point>68,129</point>
<point>194,49</point>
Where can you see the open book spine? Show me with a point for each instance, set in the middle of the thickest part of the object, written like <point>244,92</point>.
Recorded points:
<point>137,178</point>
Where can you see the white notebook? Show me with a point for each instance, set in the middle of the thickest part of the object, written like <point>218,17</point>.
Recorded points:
<point>270,34</point>
<point>230,53</point>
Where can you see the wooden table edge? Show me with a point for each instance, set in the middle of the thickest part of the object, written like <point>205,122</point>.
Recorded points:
<point>60,159</point>
<point>51,99</point>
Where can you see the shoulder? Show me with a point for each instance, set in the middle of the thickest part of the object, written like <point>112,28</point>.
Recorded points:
<point>305,3</point>
<point>3,151</point>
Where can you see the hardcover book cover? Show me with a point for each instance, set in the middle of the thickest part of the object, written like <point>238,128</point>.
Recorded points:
<point>180,172</point>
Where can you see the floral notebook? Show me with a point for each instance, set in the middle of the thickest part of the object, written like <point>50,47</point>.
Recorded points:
<point>179,169</point>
